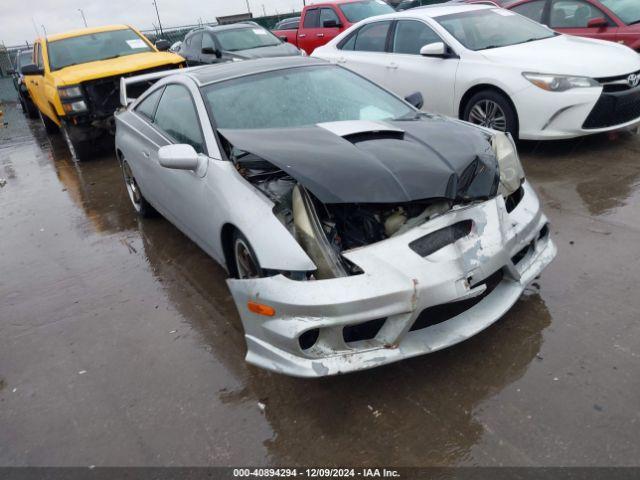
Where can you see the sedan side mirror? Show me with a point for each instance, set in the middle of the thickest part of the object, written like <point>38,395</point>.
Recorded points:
<point>211,51</point>
<point>178,157</point>
<point>284,39</point>
<point>163,45</point>
<point>437,49</point>
<point>415,99</point>
<point>599,22</point>
<point>32,69</point>
<point>331,24</point>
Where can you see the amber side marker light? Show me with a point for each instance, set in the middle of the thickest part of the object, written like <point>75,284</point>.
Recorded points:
<point>261,309</point>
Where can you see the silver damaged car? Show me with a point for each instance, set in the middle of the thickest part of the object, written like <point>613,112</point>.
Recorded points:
<point>357,230</point>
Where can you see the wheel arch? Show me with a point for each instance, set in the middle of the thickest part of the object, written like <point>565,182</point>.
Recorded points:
<point>479,88</point>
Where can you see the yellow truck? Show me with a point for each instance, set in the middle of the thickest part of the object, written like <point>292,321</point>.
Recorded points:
<point>74,79</point>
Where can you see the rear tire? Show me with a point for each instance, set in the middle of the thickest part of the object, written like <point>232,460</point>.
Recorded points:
<point>492,109</point>
<point>49,125</point>
<point>140,204</point>
<point>245,261</point>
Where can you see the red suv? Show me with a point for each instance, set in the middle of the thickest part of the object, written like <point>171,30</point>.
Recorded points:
<point>614,20</point>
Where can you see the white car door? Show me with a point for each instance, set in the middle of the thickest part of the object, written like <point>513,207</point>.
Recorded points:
<point>185,195</point>
<point>409,72</point>
<point>365,51</point>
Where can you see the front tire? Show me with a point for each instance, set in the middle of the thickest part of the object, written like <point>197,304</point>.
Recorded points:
<point>28,108</point>
<point>81,150</point>
<point>245,261</point>
<point>49,125</point>
<point>140,204</point>
<point>491,109</point>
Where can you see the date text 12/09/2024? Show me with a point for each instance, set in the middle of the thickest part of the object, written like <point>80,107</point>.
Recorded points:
<point>315,473</point>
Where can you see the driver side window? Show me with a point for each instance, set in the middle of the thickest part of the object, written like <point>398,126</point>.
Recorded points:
<point>176,116</point>
<point>574,14</point>
<point>207,41</point>
<point>411,36</point>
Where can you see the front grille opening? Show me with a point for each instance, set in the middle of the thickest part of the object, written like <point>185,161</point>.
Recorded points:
<point>512,201</point>
<point>614,108</point>
<point>441,313</point>
<point>544,232</point>
<point>309,338</point>
<point>434,241</point>
<point>517,258</point>
<point>362,331</point>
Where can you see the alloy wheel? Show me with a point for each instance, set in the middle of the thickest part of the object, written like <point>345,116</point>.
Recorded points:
<point>132,186</point>
<point>488,113</point>
<point>245,262</point>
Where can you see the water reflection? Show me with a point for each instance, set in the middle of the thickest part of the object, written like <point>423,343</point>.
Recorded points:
<point>604,161</point>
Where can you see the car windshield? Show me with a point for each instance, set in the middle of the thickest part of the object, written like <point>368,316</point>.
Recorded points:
<point>627,10</point>
<point>246,38</point>
<point>300,97</point>
<point>492,28</point>
<point>356,11</point>
<point>94,47</point>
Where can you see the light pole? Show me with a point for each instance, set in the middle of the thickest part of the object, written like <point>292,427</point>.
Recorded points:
<point>158,15</point>
<point>83,17</point>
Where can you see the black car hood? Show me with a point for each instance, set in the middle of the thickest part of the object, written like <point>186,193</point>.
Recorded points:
<point>420,159</point>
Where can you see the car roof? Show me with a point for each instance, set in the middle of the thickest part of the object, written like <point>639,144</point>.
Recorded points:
<point>218,72</point>
<point>85,31</point>
<point>220,28</point>
<point>438,10</point>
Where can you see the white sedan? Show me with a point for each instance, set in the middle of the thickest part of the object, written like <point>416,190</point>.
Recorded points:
<point>496,68</point>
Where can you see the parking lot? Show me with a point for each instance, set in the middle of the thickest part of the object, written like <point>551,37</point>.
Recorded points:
<point>120,343</point>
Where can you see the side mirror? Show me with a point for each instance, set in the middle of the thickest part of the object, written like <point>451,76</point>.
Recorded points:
<point>599,22</point>
<point>211,51</point>
<point>163,45</point>
<point>32,69</point>
<point>178,157</point>
<point>437,49</point>
<point>331,24</point>
<point>415,99</point>
<point>284,39</point>
<point>11,71</point>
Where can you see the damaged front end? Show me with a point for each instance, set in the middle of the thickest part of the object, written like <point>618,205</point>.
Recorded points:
<point>417,245</point>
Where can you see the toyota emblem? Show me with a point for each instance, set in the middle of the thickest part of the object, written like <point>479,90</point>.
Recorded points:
<point>633,80</point>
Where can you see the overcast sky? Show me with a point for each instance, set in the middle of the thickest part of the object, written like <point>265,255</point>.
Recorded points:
<point>17,17</point>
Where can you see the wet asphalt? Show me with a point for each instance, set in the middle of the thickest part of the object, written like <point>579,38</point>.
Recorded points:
<point>120,343</point>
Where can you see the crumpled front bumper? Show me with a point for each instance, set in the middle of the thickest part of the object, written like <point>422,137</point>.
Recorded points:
<point>480,276</point>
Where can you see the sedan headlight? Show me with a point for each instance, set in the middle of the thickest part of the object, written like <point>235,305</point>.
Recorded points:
<point>511,171</point>
<point>70,92</point>
<point>559,83</point>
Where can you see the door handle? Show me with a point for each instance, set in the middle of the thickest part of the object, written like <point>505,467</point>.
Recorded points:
<point>145,154</point>
<point>302,35</point>
<point>392,66</point>
<point>320,35</point>
<point>342,60</point>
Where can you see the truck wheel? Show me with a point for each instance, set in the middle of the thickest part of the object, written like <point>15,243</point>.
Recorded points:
<point>31,110</point>
<point>49,125</point>
<point>81,150</point>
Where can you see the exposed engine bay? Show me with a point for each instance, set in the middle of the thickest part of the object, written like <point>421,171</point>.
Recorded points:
<point>326,230</point>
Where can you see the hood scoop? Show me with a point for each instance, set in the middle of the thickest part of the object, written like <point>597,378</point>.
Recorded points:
<point>355,127</point>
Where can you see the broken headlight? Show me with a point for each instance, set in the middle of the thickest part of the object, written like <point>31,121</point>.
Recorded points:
<point>511,171</point>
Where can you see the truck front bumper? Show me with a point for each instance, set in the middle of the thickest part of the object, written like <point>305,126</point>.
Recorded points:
<point>403,305</point>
